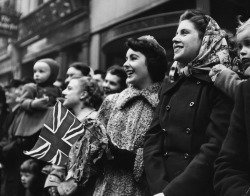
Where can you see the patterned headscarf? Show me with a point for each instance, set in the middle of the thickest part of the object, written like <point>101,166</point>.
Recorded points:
<point>214,50</point>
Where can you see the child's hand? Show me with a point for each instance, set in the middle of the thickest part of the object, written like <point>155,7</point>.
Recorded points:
<point>40,103</point>
<point>215,70</point>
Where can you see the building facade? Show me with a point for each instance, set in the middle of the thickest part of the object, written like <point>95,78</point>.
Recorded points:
<point>94,31</point>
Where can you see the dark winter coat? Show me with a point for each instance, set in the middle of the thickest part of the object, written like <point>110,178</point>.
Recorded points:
<point>232,167</point>
<point>184,139</point>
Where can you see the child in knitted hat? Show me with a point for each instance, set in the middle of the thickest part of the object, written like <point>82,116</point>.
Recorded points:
<point>43,94</point>
<point>226,79</point>
<point>37,98</point>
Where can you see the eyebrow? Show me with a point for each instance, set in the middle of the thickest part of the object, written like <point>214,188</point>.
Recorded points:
<point>134,55</point>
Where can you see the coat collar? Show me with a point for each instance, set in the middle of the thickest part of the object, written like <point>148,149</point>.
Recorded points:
<point>150,94</point>
<point>167,85</point>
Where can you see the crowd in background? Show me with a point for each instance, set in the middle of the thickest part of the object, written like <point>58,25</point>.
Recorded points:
<point>185,132</point>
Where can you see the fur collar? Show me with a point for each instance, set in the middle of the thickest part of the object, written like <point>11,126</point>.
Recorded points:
<point>130,93</point>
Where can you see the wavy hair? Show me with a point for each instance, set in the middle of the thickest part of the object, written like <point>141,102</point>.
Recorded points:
<point>94,98</point>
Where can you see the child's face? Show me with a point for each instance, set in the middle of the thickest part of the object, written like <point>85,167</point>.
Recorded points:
<point>41,72</point>
<point>26,179</point>
<point>243,42</point>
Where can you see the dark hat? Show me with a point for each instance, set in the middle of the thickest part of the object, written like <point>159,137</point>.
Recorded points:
<point>14,83</point>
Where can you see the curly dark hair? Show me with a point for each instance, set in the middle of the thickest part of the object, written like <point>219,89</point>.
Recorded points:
<point>156,60</point>
<point>94,98</point>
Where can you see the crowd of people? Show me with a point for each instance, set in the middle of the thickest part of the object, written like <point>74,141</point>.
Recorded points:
<point>185,132</point>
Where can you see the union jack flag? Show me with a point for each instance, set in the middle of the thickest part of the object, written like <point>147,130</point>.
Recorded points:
<point>60,131</point>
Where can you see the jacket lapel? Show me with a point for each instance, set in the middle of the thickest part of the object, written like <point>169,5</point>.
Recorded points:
<point>167,85</point>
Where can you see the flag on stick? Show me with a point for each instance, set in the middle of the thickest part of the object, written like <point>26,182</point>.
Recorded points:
<point>61,130</point>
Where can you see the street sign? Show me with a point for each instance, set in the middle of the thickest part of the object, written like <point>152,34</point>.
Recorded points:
<point>8,25</point>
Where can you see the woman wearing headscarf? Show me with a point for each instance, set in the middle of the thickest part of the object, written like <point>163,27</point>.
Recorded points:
<point>127,116</point>
<point>192,117</point>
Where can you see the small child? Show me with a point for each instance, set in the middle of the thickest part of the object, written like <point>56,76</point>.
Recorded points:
<point>226,79</point>
<point>32,178</point>
<point>37,98</point>
<point>43,94</point>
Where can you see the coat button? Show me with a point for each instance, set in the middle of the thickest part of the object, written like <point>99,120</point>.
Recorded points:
<point>186,156</point>
<point>168,107</point>
<point>165,154</point>
<point>198,82</point>
<point>165,131</point>
<point>191,104</point>
<point>188,130</point>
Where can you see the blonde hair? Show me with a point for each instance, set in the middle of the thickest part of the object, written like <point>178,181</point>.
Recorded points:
<point>88,84</point>
<point>242,25</point>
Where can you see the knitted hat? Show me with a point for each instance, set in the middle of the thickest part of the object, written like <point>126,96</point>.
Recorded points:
<point>54,69</point>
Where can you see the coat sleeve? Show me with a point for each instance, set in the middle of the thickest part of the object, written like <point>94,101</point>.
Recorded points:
<point>152,156</point>
<point>232,167</point>
<point>121,156</point>
<point>227,81</point>
<point>28,95</point>
<point>198,175</point>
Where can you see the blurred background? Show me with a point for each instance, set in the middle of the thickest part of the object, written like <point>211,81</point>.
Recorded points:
<point>93,31</point>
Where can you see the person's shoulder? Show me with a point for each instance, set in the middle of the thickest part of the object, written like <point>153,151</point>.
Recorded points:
<point>110,100</point>
<point>112,97</point>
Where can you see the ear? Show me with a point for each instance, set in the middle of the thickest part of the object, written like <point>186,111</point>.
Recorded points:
<point>84,94</point>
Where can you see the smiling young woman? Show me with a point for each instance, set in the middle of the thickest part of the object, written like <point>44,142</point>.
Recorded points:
<point>192,117</point>
<point>186,42</point>
<point>127,116</point>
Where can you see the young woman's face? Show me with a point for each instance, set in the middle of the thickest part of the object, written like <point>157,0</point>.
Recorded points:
<point>72,72</point>
<point>72,94</point>
<point>186,42</point>
<point>41,72</point>
<point>136,69</point>
<point>26,179</point>
<point>243,42</point>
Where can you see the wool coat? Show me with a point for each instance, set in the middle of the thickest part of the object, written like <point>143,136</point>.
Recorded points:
<point>127,117</point>
<point>232,167</point>
<point>185,137</point>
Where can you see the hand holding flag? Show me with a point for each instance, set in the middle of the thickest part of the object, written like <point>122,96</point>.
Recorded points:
<point>61,130</point>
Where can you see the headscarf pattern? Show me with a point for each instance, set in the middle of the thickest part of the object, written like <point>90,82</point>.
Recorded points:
<point>214,50</point>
